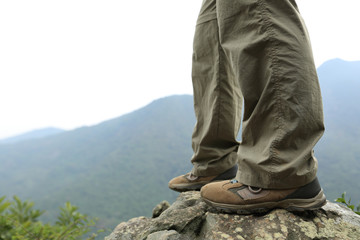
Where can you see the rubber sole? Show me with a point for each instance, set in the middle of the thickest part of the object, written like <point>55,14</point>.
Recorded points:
<point>292,205</point>
<point>189,186</point>
<point>186,188</point>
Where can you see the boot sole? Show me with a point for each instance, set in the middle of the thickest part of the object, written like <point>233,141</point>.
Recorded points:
<point>292,205</point>
<point>189,187</point>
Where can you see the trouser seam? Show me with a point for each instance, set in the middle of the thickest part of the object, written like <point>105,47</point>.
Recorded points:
<point>275,77</point>
<point>218,80</point>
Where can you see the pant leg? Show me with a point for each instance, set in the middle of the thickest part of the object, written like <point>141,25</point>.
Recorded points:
<point>217,99</point>
<point>268,48</point>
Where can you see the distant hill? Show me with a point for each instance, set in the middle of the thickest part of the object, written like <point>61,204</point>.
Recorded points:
<point>339,150</point>
<point>115,170</point>
<point>120,168</point>
<point>39,133</point>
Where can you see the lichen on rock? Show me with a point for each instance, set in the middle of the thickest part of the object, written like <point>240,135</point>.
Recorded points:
<point>190,218</point>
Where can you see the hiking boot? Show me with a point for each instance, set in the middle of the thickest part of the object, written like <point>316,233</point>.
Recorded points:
<point>234,197</point>
<point>190,182</point>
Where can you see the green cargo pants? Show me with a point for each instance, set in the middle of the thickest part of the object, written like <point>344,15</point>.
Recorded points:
<point>256,54</point>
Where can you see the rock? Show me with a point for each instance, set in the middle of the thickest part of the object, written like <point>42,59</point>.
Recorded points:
<point>164,235</point>
<point>160,208</point>
<point>190,218</point>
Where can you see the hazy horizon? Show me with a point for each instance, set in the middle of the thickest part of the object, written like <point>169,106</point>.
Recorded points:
<point>77,63</point>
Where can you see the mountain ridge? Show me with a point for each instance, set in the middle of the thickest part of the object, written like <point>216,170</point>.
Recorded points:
<point>33,134</point>
<point>88,163</point>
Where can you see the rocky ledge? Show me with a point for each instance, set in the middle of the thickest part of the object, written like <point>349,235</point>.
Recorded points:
<point>190,218</point>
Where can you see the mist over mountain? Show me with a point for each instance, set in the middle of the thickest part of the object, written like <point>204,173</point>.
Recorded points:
<point>115,170</point>
<point>38,133</point>
<point>339,149</point>
<point>120,168</point>
<point>340,84</point>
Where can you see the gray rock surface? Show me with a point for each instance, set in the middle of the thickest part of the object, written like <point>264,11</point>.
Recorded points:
<point>160,208</point>
<point>190,218</point>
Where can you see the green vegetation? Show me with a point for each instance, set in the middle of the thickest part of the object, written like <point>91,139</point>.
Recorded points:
<point>342,199</point>
<point>19,221</point>
<point>116,170</point>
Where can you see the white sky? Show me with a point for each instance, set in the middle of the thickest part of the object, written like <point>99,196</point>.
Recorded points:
<point>69,63</point>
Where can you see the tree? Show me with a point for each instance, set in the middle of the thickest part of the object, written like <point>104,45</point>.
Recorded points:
<point>19,221</point>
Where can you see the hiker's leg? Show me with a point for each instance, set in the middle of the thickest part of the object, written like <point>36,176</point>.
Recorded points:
<point>268,47</point>
<point>217,99</point>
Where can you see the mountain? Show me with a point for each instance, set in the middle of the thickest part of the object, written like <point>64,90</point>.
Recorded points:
<point>120,168</point>
<point>39,133</point>
<point>115,170</point>
<point>340,84</point>
<point>338,151</point>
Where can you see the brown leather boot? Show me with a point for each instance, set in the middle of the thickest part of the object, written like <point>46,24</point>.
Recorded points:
<point>232,196</point>
<point>190,182</point>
